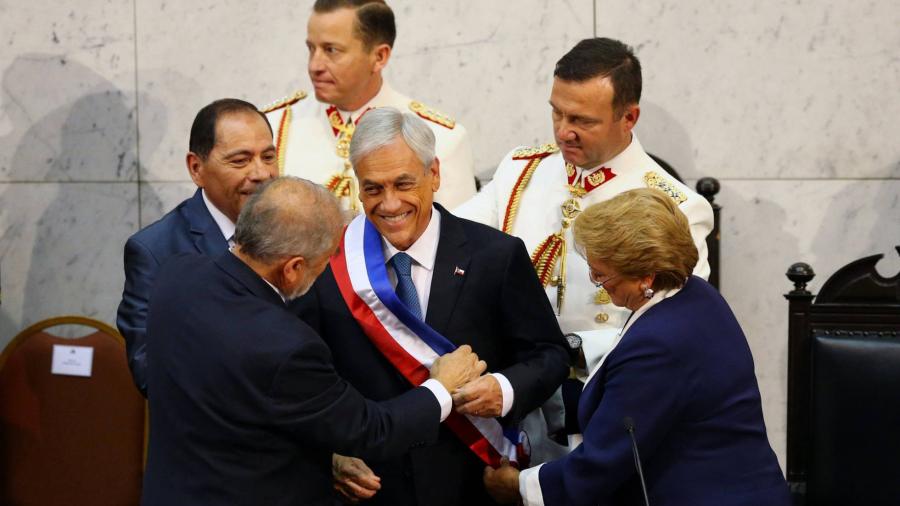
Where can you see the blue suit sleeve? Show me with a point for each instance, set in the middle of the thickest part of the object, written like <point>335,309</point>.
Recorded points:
<point>141,268</point>
<point>648,383</point>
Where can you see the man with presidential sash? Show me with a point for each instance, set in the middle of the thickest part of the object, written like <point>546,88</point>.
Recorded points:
<point>411,282</point>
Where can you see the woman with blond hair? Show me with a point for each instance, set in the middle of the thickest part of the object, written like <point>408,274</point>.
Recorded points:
<point>679,378</point>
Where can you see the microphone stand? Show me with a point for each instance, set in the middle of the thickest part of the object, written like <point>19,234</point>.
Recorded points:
<point>629,426</point>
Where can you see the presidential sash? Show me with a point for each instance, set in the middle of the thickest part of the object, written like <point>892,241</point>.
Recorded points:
<point>409,343</point>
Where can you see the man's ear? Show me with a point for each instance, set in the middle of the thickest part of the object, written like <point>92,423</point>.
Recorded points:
<point>381,53</point>
<point>293,270</point>
<point>195,168</point>
<point>631,115</point>
<point>435,174</point>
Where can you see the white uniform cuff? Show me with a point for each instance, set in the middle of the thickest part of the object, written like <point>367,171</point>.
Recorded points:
<point>442,396</point>
<point>530,486</point>
<point>506,391</point>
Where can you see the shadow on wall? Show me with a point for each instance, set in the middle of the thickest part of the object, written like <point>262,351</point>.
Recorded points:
<point>663,135</point>
<point>756,251</point>
<point>62,243</point>
<point>886,230</point>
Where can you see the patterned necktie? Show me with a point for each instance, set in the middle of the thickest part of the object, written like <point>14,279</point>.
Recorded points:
<point>406,290</point>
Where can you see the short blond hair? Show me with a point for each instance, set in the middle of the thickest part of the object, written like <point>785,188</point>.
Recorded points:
<point>638,233</point>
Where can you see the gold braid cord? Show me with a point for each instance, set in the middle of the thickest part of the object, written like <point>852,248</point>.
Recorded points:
<point>545,257</point>
<point>512,209</point>
<point>281,143</point>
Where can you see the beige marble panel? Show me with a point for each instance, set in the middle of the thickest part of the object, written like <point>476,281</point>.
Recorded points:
<point>61,250</point>
<point>803,89</point>
<point>191,53</point>
<point>67,110</point>
<point>489,64</point>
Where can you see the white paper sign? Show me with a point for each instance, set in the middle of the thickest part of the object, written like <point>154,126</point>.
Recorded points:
<point>72,360</point>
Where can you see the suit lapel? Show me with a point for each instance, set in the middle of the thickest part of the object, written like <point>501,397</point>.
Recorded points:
<point>447,280</point>
<point>207,235</point>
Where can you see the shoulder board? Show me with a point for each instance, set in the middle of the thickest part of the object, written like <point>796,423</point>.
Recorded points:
<point>655,180</point>
<point>284,102</point>
<point>535,152</point>
<point>432,115</point>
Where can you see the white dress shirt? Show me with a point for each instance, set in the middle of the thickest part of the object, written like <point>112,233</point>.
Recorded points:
<point>224,222</point>
<point>423,253</point>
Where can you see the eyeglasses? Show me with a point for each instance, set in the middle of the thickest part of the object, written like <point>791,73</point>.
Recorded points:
<point>596,281</point>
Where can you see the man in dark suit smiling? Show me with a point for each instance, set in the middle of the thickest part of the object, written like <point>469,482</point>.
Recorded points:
<point>412,282</point>
<point>245,407</point>
<point>231,153</point>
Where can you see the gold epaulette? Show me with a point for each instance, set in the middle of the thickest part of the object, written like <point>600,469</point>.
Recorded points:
<point>431,115</point>
<point>535,152</point>
<point>654,180</point>
<point>284,102</point>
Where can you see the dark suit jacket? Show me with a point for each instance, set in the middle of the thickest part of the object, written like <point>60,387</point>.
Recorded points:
<point>246,407</point>
<point>499,308</point>
<point>189,228</point>
<point>683,372</point>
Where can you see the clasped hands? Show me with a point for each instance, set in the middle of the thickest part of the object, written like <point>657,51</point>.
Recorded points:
<point>460,372</point>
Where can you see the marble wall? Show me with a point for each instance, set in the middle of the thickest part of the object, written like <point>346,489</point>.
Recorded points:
<point>790,105</point>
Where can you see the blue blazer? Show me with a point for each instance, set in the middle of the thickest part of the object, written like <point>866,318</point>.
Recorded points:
<point>189,228</point>
<point>246,407</point>
<point>684,373</point>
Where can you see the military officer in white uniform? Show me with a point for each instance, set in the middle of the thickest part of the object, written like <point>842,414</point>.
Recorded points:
<point>536,192</point>
<point>350,43</point>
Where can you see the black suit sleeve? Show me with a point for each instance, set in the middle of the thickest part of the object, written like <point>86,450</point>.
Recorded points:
<point>541,361</point>
<point>141,269</point>
<point>319,408</point>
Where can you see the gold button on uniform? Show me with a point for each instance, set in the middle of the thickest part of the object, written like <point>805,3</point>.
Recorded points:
<point>602,297</point>
<point>601,318</point>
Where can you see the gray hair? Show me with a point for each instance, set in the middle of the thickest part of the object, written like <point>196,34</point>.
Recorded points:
<point>380,127</point>
<point>288,216</point>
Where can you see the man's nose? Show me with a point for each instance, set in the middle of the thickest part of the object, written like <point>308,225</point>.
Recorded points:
<point>391,201</point>
<point>316,61</point>
<point>261,171</point>
<point>564,130</point>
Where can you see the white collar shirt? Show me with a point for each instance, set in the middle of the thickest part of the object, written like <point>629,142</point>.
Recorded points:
<point>225,224</point>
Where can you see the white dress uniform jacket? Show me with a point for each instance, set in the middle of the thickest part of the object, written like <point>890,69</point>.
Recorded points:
<point>586,310</point>
<point>309,146</point>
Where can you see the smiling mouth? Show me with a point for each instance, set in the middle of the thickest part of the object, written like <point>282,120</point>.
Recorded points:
<point>397,218</point>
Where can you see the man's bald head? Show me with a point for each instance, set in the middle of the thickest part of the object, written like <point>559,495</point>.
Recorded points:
<point>288,217</point>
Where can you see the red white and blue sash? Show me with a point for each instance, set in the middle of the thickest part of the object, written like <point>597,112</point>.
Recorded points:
<point>409,343</point>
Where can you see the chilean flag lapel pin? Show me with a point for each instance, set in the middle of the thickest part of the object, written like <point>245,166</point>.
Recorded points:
<point>458,272</point>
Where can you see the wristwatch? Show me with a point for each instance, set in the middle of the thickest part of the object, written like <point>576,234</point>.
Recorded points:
<point>577,354</point>
<point>574,341</point>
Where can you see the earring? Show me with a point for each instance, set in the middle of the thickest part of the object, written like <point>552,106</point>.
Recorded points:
<point>648,292</point>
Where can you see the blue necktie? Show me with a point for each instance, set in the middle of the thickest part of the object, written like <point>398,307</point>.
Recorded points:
<point>406,290</point>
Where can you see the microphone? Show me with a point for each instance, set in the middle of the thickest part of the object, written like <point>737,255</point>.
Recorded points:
<point>629,426</point>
